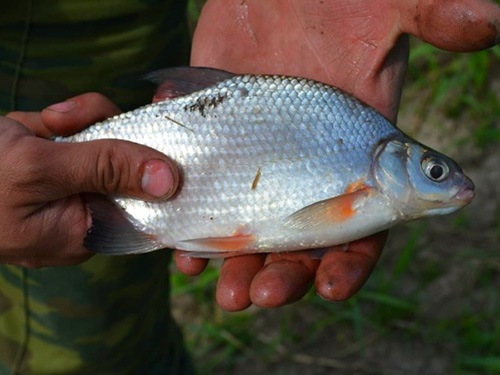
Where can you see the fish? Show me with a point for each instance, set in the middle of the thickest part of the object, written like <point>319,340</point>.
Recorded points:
<point>268,163</point>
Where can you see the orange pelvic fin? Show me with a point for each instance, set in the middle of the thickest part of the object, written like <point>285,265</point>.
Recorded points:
<point>329,211</point>
<point>213,247</point>
<point>356,185</point>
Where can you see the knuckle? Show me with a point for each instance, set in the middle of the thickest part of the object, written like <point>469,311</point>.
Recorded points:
<point>112,171</point>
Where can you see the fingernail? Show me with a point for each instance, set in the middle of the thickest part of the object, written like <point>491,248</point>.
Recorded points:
<point>62,107</point>
<point>158,179</point>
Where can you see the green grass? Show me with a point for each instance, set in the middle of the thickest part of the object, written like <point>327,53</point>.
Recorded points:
<point>458,84</point>
<point>219,339</point>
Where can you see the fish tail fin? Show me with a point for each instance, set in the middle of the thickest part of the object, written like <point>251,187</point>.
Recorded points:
<point>112,232</point>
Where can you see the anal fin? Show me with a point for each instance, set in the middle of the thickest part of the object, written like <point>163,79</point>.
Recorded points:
<point>217,247</point>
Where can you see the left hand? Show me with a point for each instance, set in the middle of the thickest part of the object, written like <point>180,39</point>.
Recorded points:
<point>43,215</point>
<point>359,46</point>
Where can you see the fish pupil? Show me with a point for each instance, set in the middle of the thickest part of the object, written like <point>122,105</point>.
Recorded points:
<point>436,172</point>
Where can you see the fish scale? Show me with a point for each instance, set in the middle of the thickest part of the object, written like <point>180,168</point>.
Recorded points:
<point>295,134</point>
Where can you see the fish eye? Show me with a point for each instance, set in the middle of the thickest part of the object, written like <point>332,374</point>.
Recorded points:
<point>434,169</point>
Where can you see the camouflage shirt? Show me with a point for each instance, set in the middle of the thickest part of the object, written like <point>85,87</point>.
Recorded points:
<point>109,315</point>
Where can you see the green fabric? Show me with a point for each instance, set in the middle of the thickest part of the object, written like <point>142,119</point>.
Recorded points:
<point>52,49</point>
<point>109,315</point>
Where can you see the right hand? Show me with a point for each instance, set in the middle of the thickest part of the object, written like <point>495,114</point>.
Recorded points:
<point>42,214</point>
<point>359,46</point>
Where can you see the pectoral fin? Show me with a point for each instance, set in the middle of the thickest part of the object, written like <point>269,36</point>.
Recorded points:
<point>330,211</point>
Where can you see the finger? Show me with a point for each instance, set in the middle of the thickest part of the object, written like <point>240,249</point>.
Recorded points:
<point>235,278</point>
<point>286,278</point>
<point>188,265</point>
<point>58,170</point>
<point>67,117</point>
<point>454,25</point>
<point>342,273</point>
<point>115,167</point>
<point>110,167</point>
<point>78,113</point>
<point>33,121</point>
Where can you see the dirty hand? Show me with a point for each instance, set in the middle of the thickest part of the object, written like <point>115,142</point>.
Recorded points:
<point>43,217</point>
<point>360,46</point>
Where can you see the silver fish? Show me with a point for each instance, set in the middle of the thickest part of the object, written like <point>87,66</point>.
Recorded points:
<point>269,163</point>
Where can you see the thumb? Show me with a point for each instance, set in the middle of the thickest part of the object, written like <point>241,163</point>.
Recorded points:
<point>454,25</point>
<point>109,167</point>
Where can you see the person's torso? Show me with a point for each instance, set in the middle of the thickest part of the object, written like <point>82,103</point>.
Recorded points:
<point>109,315</point>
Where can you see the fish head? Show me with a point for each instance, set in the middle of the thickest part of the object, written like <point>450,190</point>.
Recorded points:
<point>420,181</point>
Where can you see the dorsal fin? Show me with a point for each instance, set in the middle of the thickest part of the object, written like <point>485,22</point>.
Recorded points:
<point>180,81</point>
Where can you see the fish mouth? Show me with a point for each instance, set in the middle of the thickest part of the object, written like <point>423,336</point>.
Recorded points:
<point>466,193</point>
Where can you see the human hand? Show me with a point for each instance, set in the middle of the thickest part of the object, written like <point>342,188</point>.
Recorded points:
<point>43,216</point>
<point>359,46</point>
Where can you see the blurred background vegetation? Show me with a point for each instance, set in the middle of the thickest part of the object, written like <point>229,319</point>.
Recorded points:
<point>432,305</point>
